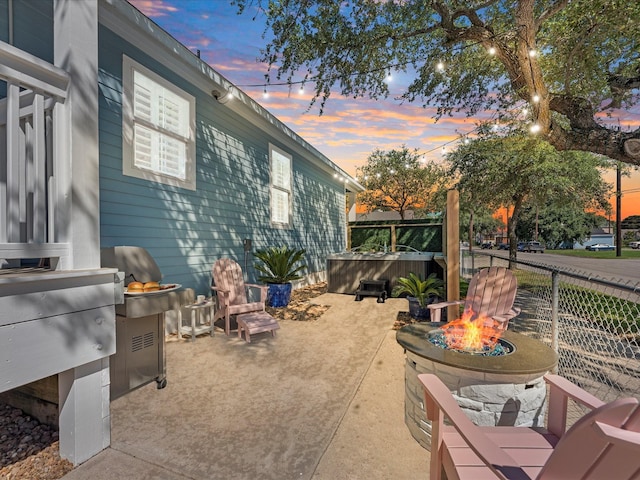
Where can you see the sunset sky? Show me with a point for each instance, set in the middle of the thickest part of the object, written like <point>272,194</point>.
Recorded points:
<point>350,129</point>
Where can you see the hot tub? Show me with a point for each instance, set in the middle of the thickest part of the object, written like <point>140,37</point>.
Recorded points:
<point>345,270</point>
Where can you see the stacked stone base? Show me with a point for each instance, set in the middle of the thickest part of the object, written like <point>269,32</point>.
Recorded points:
<point>488,399</point>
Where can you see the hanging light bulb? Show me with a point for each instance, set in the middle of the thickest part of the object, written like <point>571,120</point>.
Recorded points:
<point>440,66</point>
<point>444,150</point>
<point>265,94</point>
<point>377,175</point>
<point>492,50</point>
<point>389,76</point>
<point>532,53</point>
<point>406,165</point>
<point>535,128</point>
<point>392,171</point>
<point>301,90</point>
<point>466,141</point>
<point>535,98</point>
<point>525,111</point>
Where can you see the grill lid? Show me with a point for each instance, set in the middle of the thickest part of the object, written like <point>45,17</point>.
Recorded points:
<point>135,262</point>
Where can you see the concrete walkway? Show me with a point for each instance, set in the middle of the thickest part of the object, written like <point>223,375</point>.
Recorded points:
<point>323,400</point>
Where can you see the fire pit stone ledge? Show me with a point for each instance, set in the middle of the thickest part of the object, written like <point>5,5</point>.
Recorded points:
<point>500,390</point>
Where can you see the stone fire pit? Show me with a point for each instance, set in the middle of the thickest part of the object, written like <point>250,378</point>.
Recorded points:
<point>491,390</point>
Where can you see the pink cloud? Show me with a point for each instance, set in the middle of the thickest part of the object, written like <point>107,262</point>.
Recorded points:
<point>153,8</point>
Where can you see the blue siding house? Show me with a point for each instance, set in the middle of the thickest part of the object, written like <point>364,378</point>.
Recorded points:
<point>251,176</point>
<point>113,133</point>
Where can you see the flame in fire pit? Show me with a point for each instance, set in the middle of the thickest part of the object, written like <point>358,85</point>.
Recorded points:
<point>469,334</point>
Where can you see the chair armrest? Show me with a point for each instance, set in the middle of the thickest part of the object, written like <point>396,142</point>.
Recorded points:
<point>438,399</point>
<point>263,290</point>
<point>436,308</point>
<point>560,391</point>
<point>561,385</point>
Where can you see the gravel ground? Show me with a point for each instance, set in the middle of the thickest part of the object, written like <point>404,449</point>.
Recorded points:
<point>29,450</point>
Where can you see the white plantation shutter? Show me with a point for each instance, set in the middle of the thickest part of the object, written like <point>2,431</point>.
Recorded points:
<point>280,186</point>
<point>279,206</point>
<point>161,128</point>
<point>160,119</point>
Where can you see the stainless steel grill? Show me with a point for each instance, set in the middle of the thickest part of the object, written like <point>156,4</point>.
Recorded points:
<point>140,355</point>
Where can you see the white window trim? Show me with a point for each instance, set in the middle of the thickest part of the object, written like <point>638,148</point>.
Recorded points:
<point>275,189</point>
<point>129,66</point>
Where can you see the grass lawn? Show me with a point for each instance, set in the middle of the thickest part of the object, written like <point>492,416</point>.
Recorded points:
<point>626,253</point>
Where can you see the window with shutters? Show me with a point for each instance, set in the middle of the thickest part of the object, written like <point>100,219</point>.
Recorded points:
<point>158,128</point>
<point>281,189</point>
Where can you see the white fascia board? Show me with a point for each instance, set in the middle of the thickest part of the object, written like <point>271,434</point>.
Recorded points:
<point>129,23</point>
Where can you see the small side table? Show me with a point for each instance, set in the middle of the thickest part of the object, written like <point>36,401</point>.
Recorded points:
<point>196,326</point>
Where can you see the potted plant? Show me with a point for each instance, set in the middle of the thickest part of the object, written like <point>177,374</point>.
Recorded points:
<point>278,269</point>
<point>420,293</point>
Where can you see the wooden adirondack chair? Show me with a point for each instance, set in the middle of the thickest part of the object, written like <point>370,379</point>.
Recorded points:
<point>491,292</point>
<point>232,291</point>
<point>603,444</point>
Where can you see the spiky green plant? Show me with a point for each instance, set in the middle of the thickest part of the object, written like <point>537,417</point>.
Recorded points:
<point>278,264</point>
<point>414,286</point>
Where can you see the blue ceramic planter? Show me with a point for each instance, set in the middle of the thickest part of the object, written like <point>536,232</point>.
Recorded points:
<point>417,312</point>
<point>278,294</point>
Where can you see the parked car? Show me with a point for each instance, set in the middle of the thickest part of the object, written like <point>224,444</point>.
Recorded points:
<point>634,245</point>
<point>599,246</point>
<point>488,245</point>
<point>533,247</point>
<point>503,246</point>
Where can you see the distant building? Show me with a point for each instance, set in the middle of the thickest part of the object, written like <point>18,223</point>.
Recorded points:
<point>598,235</point>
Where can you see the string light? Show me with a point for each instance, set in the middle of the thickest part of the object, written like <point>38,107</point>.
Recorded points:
<point>532,53</point>
<point>440,67</point>
<point>301,90</point>
<point>492,50</point>
<point>265,94</point>
<point>535,128</point>
<point>389,76</point>
<point>535,98</point>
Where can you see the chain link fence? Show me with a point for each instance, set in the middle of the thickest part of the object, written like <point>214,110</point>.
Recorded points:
<point>593,323</point>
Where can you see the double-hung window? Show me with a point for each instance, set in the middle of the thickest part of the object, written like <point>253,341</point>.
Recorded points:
<point>281,189</point>
<point>158,128</point>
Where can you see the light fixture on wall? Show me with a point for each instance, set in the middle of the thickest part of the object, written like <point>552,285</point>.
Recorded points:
<point>222,97</point>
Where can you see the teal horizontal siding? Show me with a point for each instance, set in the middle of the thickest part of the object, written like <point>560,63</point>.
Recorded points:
<point>186,231</point>
<point>32,26</point>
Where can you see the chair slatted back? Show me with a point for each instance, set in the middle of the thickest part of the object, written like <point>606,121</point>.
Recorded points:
<point>492,291</point>
<point>585,453</point>
<point>227,275</point>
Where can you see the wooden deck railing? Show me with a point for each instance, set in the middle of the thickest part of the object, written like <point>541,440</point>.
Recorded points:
<point>33,125</point>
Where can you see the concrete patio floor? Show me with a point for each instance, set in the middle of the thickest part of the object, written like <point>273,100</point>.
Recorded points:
<point>322,400</point>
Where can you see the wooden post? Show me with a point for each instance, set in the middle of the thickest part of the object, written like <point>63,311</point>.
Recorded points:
<point>453,252</point>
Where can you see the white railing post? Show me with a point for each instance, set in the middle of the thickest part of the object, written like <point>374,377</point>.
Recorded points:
<point>13,163</point>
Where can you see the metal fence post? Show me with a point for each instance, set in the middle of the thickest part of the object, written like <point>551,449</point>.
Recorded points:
<point>555,289</point>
